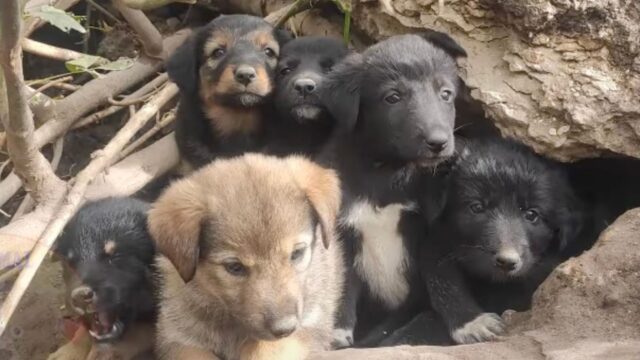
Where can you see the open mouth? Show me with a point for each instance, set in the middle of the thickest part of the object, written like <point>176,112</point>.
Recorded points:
<point>104,325</point>
<point>306,111</point>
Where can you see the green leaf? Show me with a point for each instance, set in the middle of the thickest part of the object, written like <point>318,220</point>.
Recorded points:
<point>84,63</point>
<point>58,18</point>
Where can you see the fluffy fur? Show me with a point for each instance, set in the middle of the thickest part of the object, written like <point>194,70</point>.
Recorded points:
<point>507,214</point>
<point>302,124</point>
<point>107,257</point>
<point>251,267</point>
<point>225,73</point>
<point>395,113</point>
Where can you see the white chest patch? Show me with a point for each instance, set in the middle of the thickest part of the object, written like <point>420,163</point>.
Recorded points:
<point>382,260</point>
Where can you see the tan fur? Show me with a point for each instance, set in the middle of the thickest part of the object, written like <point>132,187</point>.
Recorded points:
<point>227,120</point>
<point>218,38</point>
<point>264,38</point>
<point>257,210</point>
<point>110,247</point>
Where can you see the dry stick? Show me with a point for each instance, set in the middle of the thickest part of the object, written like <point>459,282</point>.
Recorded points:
<point>31,166</point>
<point>166,119</point>
<point>68,87</point>
<point>104,11</point>
<point>49,51</point>
<point>149,36</point>
<point>50,84</point>
<point>280,16</point>
<point>28,203</point>
<point>149,87</point>
<point>101,160</point>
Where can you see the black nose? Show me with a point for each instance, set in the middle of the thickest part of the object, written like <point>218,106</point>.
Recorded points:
<point>506,262</point>
<point>304,86</point>
<point>245,74</point>
<point>283,327</point>
<point>436,142</point>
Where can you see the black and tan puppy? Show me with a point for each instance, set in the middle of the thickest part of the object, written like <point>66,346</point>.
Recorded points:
<point>507,215</point>
<point>395,109</point>
<point>225,73</point>
<point>302,123</point>
<point>252,270</point>
<point>107,257</point>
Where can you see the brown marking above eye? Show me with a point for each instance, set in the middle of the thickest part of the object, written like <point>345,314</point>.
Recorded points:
<point>264,40</point>
<point>220,38</point>
<point>110,247</point>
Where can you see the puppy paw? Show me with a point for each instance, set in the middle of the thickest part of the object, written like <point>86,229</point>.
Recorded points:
<point>484,327</point>
<point>342,338</point>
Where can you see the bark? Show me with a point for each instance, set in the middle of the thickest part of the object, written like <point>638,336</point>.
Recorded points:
<point>29,164</point>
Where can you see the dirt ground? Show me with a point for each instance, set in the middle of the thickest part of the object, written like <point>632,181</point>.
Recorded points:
<point>36,327</point>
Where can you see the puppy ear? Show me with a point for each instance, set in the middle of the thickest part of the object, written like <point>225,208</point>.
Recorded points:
<point>444,42</point>
<point>282,36</point>
<point>322,188</point>
<point>175,222</point>
<point>182,65</point>
<point>341,93</point>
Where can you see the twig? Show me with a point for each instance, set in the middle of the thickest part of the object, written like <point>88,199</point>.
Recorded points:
<point>280,16</point>
<point>49,51</point>
<point>30,165</point>
<point>166,119</point>
<point>149,36</point>
<point>97,116</point>
<point>104,11</point>
<point>74,197</point>
<point>51,84</point>
<point>131,100</point>
<point>68,87</point>
<point>153,4</point>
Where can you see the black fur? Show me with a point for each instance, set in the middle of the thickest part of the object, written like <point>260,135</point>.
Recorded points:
<point>120,280</point>
<point>395,113</point>
<point>303,124</point>
<point>197,141</point>
<point>508,213</point>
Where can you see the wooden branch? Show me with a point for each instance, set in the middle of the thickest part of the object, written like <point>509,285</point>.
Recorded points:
<point>49,85</point>
<point>49,51</point>
<point>167,119</point>
<point>153,4</point>
<point>29,164</point>
<point>280,16</point>
<point>149,36</point>
<point>75,196</point>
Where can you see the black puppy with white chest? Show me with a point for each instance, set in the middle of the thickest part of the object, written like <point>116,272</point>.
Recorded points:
<point>302,123</point>
<point>507,214</point>
<point>395,112</point>
<point>107,257</point>
<point>225,72</point>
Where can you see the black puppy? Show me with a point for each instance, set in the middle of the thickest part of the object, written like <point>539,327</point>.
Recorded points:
<point>107,260</point>
<point>395,112</point>
<point>302,123</point>
<point>225,73</point>
<point>507,214</point>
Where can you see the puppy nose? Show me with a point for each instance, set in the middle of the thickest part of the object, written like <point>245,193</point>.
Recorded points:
<point>437,142</point>
<point>283,327</point>
<point>245,74</point>
<point>507,261</point>
<point>304,86</point>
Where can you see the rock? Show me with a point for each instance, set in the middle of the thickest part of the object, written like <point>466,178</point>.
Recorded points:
<point>561,76</point>
<point>587,309</point>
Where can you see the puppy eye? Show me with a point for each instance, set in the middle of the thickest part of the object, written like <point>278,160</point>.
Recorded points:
<point>446,95</point>
<point>218,53</point>
<point>235,268</point>
<point>531,216</point>
<point>476,208</point>
<point>392,98</point>
<point>297,254</point>
<point>270,52</point>
<point>285,71</point>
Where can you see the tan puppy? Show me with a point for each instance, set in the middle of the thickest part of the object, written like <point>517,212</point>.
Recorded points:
<point>251,269</point>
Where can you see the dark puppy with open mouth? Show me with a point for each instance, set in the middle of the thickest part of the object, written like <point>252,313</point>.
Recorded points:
<point>107,257</point>
<point>225,73</point>
<point>302,123</point>
<point>507,214</point>
<point>395,112</point>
